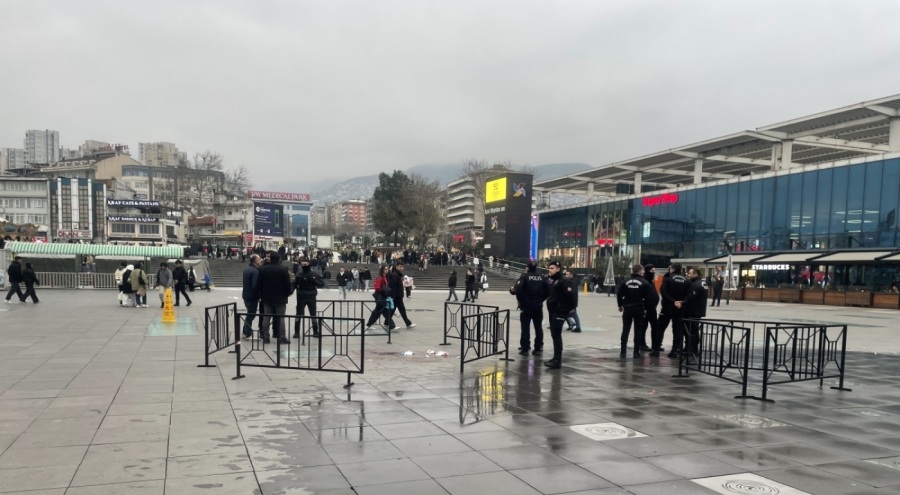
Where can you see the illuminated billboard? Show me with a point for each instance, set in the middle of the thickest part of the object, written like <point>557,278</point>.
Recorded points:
<point>495,190</point>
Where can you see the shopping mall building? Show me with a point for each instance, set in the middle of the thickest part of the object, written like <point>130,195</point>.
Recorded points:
<point>813,195</point>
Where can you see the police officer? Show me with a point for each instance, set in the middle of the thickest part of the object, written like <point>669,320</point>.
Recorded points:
<point>652,302</point>
<point>560,305</point>
<point>676,294</point>
<point>306,284</point>
<point>696,309</point>
<point>531,290</point>
<point>632,294</point>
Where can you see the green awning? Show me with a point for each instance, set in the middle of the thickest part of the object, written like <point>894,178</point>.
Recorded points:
<point>67,249</point>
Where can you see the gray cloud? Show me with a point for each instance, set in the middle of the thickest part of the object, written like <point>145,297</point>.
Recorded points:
<point>348,88</point>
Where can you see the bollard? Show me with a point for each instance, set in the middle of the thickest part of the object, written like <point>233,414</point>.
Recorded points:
<point>168,315</point>
<point>585,288</point>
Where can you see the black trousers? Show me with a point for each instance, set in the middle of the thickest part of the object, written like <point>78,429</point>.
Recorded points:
<point>717,298</point>
<point>650,321</point>
<point>179,291</point>
<point>400,307</point>
<point>631,316</point>
<point>556,329</point>
<point>527,318</point>
<point>379,311</point>
<point>667,316</point>
<point>305,305</point>
<point>14,288</point>
<point>29,291</point>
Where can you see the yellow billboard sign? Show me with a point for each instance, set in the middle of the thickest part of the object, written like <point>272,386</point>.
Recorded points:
<point>495,190</point>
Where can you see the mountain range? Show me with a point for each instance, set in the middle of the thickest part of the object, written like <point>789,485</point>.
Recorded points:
<point>334,190</point>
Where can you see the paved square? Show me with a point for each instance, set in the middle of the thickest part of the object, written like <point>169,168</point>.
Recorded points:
<point>97,398</point>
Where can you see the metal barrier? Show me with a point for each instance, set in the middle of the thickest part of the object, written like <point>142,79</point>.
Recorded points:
<point>326,343</point>
<point>481,336</point>
<point>793,351</point>
<point>219,325</point>
<point>802,353</point>
<point>453,314</point>
<point>724,352</point>
<point>82,280</point>
<point>342,308</point>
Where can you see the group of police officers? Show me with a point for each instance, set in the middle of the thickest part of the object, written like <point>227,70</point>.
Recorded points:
<point>683,302</point>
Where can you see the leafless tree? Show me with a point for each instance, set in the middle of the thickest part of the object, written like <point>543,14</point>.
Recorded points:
<point>424,215</point>
<point>237,181</point>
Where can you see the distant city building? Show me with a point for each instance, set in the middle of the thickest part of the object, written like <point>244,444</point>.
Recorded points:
<point>464,209</point>
<point>41,147</point>
<point>24,209</point>
<point>318,216</point>
<point>353,213</point>
<point>77,210</point>
<point>89,149</point>
<point>12,159</point>
<point>160,154</point>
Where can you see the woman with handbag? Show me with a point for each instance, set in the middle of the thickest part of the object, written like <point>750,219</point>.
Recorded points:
<point>470,286</point>
<point>139,285</point>
<point>381,295</point>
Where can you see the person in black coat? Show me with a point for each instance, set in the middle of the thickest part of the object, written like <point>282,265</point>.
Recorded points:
<point>676,295</point>
<point>650,318</point>
<point>696,309</point>
<point>14,278</point>
<point>470,286</point>
<point>397,289</point>
<point>531,290</point>
<point>560,306</point>
<point>274,289</point>
<point>306,284</point>
<point>30,279</point>
<point>451,284</point>
<point>632,295</point>
<point>181,277</point>
<point>717,291</point>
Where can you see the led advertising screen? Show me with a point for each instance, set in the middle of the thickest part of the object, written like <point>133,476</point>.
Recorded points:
<point>495,190</point>
<point>268,219</point>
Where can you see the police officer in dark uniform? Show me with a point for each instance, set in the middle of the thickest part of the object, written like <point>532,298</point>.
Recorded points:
<point>652,302</point>
<point>531,290</point>
<point>676,294</point>
<point>696,309</point>
<point>560,305</point>
<point>632,294</point>
<point>306,284</point>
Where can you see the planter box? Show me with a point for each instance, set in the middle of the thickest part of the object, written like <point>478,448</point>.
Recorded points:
<point>834,298</point>
<point>812,297</point>
<point>789,295</point>
<point>752,294</point>
<point>736,295</point>
<point>863,299</point>
<point>885,300</point>
<point>771,295</point>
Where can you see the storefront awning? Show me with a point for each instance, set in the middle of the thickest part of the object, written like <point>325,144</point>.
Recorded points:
<point>791,257</point>
<point>852,256</point>
<point>739,258</point>
<point>106,250</point>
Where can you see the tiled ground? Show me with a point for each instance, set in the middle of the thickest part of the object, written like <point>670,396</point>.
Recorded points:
<point>91,405</point>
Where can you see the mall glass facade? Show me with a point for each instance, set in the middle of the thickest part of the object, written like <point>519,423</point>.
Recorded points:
<point>847,206</point>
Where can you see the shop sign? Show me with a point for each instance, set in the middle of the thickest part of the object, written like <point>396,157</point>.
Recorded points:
<point>74,234</point>
<point>662,199</point>
<point>281,196</point>
<point>762,268</point>
<point>132,219</point>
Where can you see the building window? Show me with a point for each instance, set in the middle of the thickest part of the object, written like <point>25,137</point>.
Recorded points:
<point>121,228</point>
<point>149,229</point>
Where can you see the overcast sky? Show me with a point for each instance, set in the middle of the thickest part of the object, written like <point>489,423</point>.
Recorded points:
<point>349,88</point>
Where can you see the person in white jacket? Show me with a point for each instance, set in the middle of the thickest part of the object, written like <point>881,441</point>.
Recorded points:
<point>118,275</point>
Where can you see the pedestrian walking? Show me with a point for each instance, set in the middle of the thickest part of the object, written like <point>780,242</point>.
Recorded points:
<point>451,283</point>
<point>14,276</point>
<point>470,286</point>
<point>397,289</point>
<point>344,279</point>
<point>31,280</point>
<point>164,281</point>
<point>139,284</point>
<point>118,275</point>
<point>179,274</point>
<point>382,293</point>
<point>250,294</point>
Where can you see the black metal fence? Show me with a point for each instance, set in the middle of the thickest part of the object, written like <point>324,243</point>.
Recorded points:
<point>219,326</point>
<point>724,352</point>
<point>789,352</point>
<point>310,343</point>
<point>454,312</point>
<point>482,331</point>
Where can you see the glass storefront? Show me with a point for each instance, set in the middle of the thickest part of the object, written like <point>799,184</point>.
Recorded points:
<point>849,206</point>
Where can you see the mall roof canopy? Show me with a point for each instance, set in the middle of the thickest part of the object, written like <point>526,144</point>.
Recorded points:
<point>738,258</point>
<point>864,129</point>
<point>852,256</point>
<point>67,249</point>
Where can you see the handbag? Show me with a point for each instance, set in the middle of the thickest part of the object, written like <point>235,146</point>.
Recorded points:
<point>389,303</point>
<point>485,285</point>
